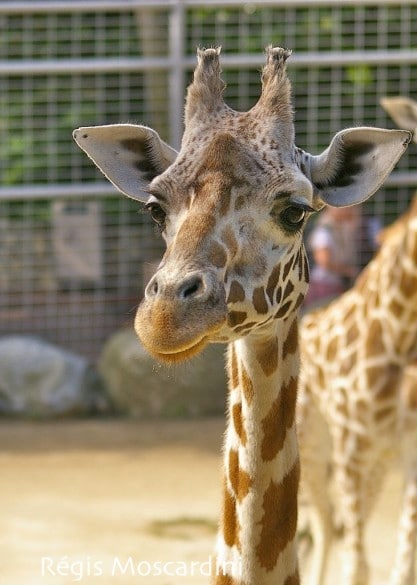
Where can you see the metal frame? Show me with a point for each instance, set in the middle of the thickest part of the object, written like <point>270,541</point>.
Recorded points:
<point>177,62</point>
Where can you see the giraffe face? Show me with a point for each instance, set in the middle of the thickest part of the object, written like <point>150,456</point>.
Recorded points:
<point>232,221</point>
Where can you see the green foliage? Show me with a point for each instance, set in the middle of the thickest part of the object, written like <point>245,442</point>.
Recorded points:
<point>359,75</point>
<point>39,112</point>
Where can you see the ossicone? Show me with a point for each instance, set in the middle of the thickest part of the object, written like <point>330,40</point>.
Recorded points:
<point>205,94</point>
<point>275,98</point>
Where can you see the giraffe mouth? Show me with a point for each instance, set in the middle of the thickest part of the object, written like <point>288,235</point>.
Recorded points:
<point>172,333</point>
<point>179,352</point>
<point>179,355</point>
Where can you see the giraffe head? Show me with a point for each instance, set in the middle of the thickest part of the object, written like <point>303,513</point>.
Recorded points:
<point>232,204</point>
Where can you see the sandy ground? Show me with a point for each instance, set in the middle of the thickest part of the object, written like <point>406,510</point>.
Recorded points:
<point>110,501</point>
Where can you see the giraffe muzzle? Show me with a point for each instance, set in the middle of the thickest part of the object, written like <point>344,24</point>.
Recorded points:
<point>180,314</point>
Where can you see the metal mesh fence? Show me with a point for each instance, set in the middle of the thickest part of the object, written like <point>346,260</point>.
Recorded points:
<point>73,254</point>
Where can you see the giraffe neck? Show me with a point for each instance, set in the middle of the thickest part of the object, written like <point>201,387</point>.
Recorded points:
<point>256,544</point>
<point>390,288</point>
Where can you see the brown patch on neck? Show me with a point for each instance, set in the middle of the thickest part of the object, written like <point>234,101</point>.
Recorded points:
<point>408,284</point>
<point>279,522</point>
<point>278,295</point>
<point>282,312</point>
<point>236,293</point>
<point>288,289</point>
<point>272,282</point>
<point>299,261</point>
<point>375,341</point>
<point>233,368</point>
<point>238,423</point>
<point>332,349</point>
<point>352,334</point>
<point>287,269</point>
<point>236,318</point>
<point>239,479</point>
<point>290,345</point>
<point>230,521</point>
<point>259,301</point>
<point>279,419</point>
<point>396,308</point>
<point>267,356</point>
<point>247,386</point>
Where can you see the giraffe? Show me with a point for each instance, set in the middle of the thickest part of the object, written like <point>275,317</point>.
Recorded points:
<point>357,404</point>
<point>231,206</point>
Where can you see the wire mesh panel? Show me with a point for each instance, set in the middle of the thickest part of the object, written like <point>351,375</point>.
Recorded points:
<point>72,270</point>
<point>74,255</point>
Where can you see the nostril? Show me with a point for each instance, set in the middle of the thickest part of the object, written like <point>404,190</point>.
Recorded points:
<point>152,289</point>
<point>182,289</point>
<point>191,287</point>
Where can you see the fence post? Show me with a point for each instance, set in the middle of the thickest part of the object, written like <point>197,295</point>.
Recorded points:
<point>156,86</point>
<point>177,34</point>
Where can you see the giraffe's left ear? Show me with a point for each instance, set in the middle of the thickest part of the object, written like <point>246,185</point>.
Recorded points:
<point>129,156</point>
<point>356,164</point>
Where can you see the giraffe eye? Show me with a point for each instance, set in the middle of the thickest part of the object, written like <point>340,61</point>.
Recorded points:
<point>293,217</point>
<point>157,213</point>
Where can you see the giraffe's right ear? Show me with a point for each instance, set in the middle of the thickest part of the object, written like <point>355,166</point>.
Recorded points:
<point>129,156</point>
<point>403,111</point>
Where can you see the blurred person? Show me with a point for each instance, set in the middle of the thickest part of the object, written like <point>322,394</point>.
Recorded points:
<point>341,243</point>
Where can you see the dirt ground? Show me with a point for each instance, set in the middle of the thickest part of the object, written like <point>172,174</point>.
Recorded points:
<point>114,502</point>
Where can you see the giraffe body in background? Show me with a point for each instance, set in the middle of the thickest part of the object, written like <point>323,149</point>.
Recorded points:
<point>231,206</point>
<point>352,391</point>
<point>358,393</point>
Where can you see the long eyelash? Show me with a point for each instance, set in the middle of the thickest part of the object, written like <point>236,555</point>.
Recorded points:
<point>306,208</point>
<point>157,194</point>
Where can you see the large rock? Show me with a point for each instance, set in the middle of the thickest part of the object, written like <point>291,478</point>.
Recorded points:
<point>140,387</point>
<point>40,380</point>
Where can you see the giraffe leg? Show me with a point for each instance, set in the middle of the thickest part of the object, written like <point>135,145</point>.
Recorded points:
<point>358,483</point>
<point>404,569</point>
<point>403,572</point>
<point>351,488</point>
<point>313,440</point>
<point>320,515</point>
